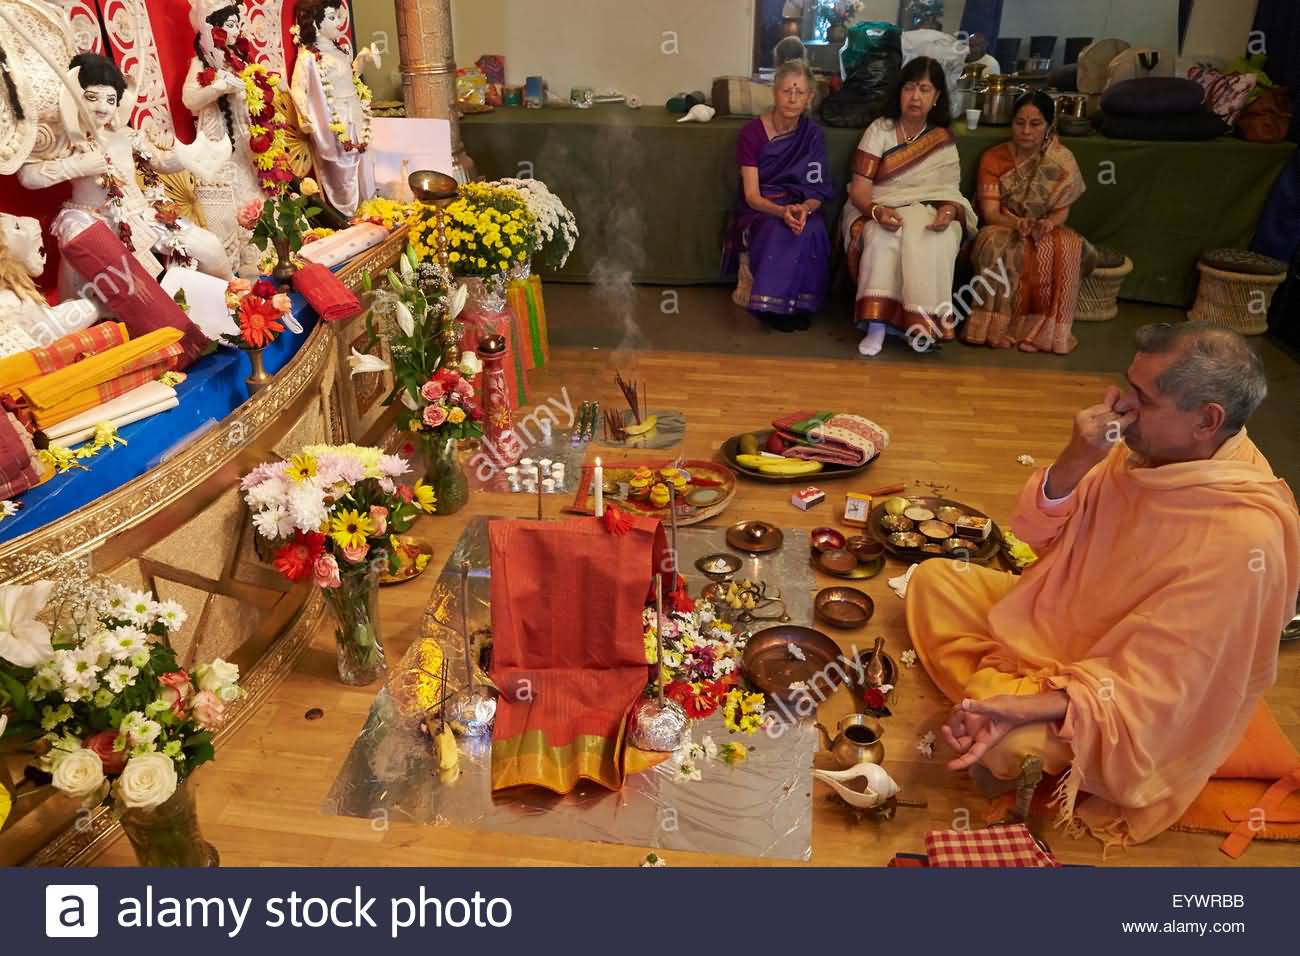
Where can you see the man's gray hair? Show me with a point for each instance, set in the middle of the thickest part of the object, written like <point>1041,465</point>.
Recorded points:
<point>1214,364</point>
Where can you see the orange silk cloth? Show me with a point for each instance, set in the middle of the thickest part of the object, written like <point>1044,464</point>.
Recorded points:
<point>568,651</point>
<point>74,382</point>
<point>22,367</point>
<point>1156,605</point>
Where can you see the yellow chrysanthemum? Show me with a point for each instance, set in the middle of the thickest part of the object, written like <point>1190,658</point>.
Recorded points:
<point>302,467</point>
<point>349,529</point>
<point>423,496</point>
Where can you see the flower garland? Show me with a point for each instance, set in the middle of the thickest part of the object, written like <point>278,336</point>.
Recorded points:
<point>266,125</point>
<point>115,206</point>
<point>62,459</point>
<point>387,212</point>
<point>9,508</point>
<point>166,212</point>
<point>336,124</point>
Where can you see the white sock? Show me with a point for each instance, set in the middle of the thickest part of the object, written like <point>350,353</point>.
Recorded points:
<point>874,340</point>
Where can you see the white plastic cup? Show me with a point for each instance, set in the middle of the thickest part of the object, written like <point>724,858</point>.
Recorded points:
<point>973,119</point>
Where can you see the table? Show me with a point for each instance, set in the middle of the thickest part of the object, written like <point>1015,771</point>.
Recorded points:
<point>652,196</point>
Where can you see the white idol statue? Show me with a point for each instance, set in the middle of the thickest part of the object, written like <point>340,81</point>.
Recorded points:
<point>102,170</point>
<point>231,95</point>
<point>26,320</point>
<point>333,103</point>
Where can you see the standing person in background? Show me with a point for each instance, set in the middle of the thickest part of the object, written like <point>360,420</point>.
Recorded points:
<point>778,242</point>
<point>979,53</point>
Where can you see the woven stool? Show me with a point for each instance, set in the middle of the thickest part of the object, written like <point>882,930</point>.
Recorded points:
<point>1100,290</point>
<point>1236,289</point>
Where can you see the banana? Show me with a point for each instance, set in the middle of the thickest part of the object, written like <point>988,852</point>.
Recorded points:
<point>779,466</point>
<point>644,427</point>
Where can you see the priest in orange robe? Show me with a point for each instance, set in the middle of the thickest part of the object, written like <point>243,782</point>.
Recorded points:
<point>1131,656</point>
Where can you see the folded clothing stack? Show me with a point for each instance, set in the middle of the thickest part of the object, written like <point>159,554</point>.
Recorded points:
<point>141,402</point>
<point>18,464</point>
<point>332,300</point>
<point>99,378</point>
<point>831,437</point>
<point>23,367</point>
<point>1159,108</point>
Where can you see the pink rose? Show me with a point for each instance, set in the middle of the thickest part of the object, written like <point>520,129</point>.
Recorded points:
<point>465,389</point>
<point>176,690</point>
<point>102,744</point>
<point>358,554</point>
<point>435,415</point>
<point>326,571</point>
<point>209,710</point>
<point>432,391</point>
<point>240,286</point>
<point>379,515</point>
<point>280,302</point>
<point>249,213</point>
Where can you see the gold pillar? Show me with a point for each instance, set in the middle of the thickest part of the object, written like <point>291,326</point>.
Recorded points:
<point>428,63</point>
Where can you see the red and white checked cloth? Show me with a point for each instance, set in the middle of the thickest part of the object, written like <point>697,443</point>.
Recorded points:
<point>1009,845</point>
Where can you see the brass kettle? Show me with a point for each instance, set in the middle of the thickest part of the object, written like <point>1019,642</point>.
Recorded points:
<point>857,740</point>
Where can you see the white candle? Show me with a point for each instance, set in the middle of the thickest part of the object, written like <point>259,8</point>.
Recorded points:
<point>557,472</point>
<point>548,485</point>
<point>545,465</point>
<point>598,479</point>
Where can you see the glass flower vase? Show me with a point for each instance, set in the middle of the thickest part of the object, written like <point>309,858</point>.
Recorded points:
<point>444,473</point>
<point>356,636</point>
<point>168,835</point>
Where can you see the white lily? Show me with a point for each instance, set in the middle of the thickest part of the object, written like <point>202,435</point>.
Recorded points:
<point>409,402</point>
<point>405,320</point>
<point>24,641</point>
<point>4,722</point>
<point>404,263</point>
<point>458,299</point>
<point>360,362</point>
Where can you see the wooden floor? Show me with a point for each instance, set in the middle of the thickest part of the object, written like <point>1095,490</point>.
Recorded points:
<point>960,429</point>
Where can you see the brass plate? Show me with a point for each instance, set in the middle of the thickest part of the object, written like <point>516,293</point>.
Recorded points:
<point>982,552</point>
<point>406,571</point>
<point>769,666</point>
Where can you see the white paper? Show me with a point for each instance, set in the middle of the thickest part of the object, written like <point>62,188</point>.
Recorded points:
<point>205,297</point>
<point>423,143</point>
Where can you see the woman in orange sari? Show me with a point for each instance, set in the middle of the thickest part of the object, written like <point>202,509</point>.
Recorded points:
<point>1025,190</point>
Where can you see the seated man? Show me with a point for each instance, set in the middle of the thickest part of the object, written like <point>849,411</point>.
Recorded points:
<point>1134,652</point>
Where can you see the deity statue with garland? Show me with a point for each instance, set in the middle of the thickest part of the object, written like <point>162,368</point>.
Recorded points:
<point>105,154</point>
<point>333,103</point>
<point>232,95</point>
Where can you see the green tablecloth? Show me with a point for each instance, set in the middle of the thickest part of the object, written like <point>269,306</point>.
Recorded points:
<point>652,195</point>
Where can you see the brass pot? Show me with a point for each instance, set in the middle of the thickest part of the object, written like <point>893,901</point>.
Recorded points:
<point>857,740</point>
<point>1073,105</point>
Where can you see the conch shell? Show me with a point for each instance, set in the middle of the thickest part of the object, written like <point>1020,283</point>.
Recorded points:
<point>880,785</point>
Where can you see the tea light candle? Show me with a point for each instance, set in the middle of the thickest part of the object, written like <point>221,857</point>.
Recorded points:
<point>557,472</point>
<point>598,481</point>
<point>530,485</point>
<point>526,464</point>
<point>512,473</point>
<point>545,465</point>
<point>548,485</point>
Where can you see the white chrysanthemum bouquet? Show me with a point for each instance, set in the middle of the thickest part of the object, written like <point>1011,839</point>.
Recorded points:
<point>557,228</point>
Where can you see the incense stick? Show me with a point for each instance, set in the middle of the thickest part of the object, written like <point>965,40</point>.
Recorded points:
<point>464,625</point>
<point>659,636</point>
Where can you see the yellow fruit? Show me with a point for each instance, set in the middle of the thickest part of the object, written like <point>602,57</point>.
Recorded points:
<point>748,444</point>
<point>750,461</point>
<point>645,426</point>
<point>789,466</point>
<point>448,755</point>
<point>896,506</point>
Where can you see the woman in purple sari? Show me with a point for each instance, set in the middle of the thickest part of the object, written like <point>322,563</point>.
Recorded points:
<point>778,242</point>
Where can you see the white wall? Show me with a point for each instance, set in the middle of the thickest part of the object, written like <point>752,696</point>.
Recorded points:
<point>620,44</point>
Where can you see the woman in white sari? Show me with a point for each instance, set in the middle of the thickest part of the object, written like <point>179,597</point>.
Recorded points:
<point>906,215</point>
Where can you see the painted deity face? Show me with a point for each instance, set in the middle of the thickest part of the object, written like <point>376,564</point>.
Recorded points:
<point>22,235</point>
<point>334,21</point>
<point>231,25</point>
<point>102,103</point>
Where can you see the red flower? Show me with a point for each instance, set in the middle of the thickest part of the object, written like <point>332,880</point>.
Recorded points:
<point>260,143</point>
<point>476,414</point>
<point>697,703</point>
<point>207,76</point>
<point>259,321</point>
<point>447,378</point>
<point>295,559</point>
<point>874,698</point>
<point>264,288</point>
<point>404,492</point>
<point>219,37</point>
<point>102,744</point>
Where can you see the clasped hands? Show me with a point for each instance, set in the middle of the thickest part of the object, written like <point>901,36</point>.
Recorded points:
<point>889,219</point>
<point>1036,229</point>
<point>795,216</point>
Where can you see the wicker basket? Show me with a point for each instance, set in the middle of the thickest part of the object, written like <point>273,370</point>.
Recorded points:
<point>1235,300</point>
<point>1098,293</point>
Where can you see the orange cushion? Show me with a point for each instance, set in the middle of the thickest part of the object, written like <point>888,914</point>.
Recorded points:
<point>1265,752</point>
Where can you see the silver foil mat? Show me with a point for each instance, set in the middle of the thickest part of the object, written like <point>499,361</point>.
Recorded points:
<point>486,473</point>
<point>761,807</point>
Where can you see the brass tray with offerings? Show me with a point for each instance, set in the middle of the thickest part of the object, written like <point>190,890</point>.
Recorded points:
<point>930,527</point>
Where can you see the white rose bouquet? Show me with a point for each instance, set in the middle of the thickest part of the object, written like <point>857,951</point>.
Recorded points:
<point>90,683</point>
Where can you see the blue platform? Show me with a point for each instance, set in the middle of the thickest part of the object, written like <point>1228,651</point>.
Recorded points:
<point>213,389</point>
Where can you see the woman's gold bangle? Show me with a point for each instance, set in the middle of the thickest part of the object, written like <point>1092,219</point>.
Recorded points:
<point>874,218</point>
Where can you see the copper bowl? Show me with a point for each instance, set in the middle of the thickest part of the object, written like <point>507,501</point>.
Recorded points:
<point>771,668</point>
<point>864,548</point>
<point>843,607</point>
<point>825,539</point>
<point>430,186</point>
<point>836,561</point>
<point>948,514</point>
